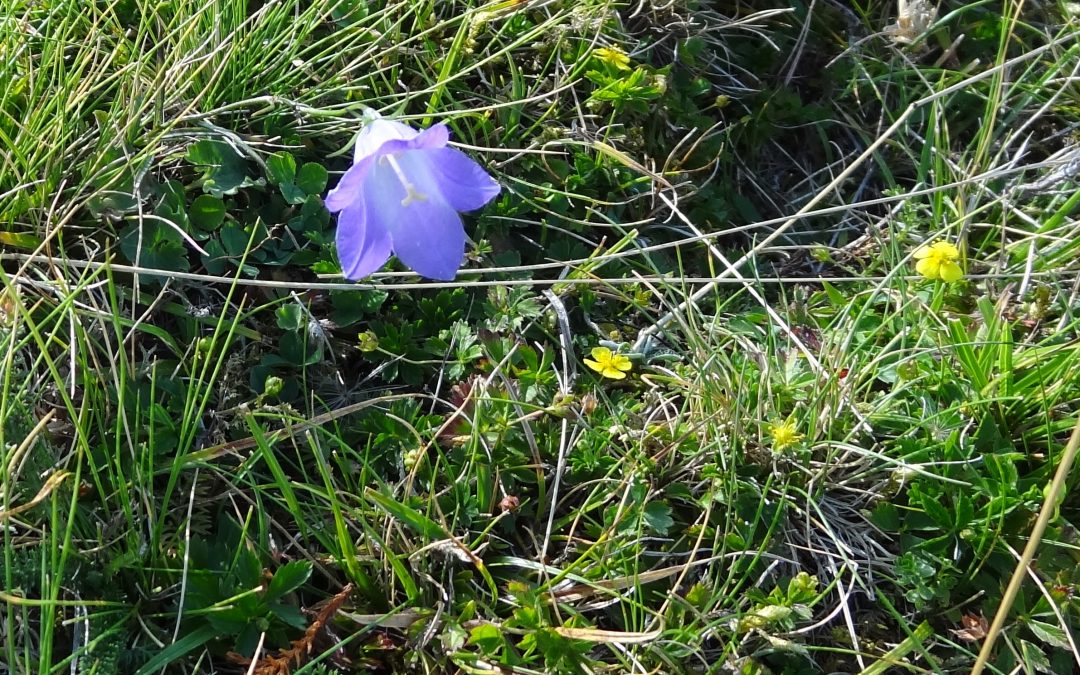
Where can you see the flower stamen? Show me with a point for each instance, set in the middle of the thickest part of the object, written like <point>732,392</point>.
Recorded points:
<point>411,193</point>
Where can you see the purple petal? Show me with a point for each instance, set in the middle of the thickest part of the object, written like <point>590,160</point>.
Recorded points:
<point>363,247</point>
<point>400,138</point>
<point>463,183</point>
<point>381,137</point>
<point>426,232</point>
<point>430,239</point>
<point>435,136</point>
<point>349,187</point>
<point>377,132</point>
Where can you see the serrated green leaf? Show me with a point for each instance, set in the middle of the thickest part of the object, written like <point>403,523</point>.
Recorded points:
<point>248,573</point>
<point>1034,658</point>
<point>351,306</point>
<point>154,245</point>
<point>288,614</point>
<point>964,510</point>
<point>288,578</point>
<point>886,516</point>
<point>937,513</point>
<point>1049,633</point>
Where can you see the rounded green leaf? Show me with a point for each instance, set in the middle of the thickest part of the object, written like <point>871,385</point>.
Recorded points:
<point>207,212</point>
<point>289,317</point>
<point>312,178</point>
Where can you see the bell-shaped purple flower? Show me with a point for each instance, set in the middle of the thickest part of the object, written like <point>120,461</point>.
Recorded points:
<point>402,195</point>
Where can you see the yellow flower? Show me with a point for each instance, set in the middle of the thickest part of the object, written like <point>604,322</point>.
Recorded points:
<point>938,261</point>
<point>608,364</point>
<point>613,56</point>
<point>369,342</point>
<point>784,435</point>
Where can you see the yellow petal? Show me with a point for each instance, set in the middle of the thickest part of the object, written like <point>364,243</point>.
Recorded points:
<point>946,250</point>
<point>622,363</point>
<point>613,374</point>
<point>598,367</point>
<point>613,56</point>
<point>921,252</point>
<point>601,354</point>
<point>950,272</point>
<point>928,267</point>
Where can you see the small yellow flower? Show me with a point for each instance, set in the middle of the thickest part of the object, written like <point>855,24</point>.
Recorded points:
<point>369,342</point>
<point>938,261</point>
<point>608,363</point>
<point>783,435</point>
<point>613,56</point>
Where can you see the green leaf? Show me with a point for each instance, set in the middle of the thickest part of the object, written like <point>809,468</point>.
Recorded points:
<point>414,519</point>
<point>351,306</point>
<point>487,637</point>
<point>1049,633</point>
<point>154,245</point>
<point>1034,658</point>
<point>248,573</point>
<point>175,651</point>
<point>312,178</point>
<point>837,298</point>
<point>116,193</point>
<point>281,168</point>
<point>886,516</point>
<point>288,578</point>
<point>658,517</point>
<point>1002,468</point>
<point>290,317</point>
<point>207,212</point>
<point>964,510</point>
<point>20,240</point>
<point>288,614</point>
<point>348,12</point>
<point>313,217</point>
<point>207,152</point>
<point>114,204</point>
<point>215,261</point>
<point>226,171</point>
<point>938,513</point>
<point>234,239</point>
<point>914,640</point>
<point>291,193</point>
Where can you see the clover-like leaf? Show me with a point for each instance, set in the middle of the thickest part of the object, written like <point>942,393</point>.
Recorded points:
<point>312,178</point>
<point>207,212</point>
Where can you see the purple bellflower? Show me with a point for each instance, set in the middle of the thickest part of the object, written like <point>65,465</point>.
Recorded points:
<point>402,195</point>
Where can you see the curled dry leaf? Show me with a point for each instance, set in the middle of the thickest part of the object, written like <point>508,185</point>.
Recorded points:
<point>974,629</point>
<point>509,503</point>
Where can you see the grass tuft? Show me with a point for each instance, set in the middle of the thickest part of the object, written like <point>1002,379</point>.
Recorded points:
<point>217,455</point>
